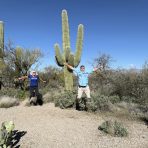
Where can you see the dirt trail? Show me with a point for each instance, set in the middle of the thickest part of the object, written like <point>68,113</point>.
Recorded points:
<point>50,127</point>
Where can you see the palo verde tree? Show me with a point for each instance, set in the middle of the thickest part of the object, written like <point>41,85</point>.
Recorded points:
<point>21,59</point>
<point>67,55</point>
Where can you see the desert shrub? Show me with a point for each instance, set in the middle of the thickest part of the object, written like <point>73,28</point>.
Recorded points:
<point>48,97</point>
<point>50,94</point>
<point>17,93</point>
<point>129,84</point>
<point>6,102</point>
<point>128,99</point>
<point>90,106</point>
<point>8,92</point>
<point>65,100</point>
<point>100,102</point>
<point>119,130</point>
<point>21,94</point>
<point>113,128</point>
<point>54,78</point>
<point>114,99</point>
<point>107,127</point>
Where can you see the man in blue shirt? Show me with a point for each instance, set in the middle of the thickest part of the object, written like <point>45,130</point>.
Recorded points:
<point>34,80</point>
<point>83,77</point>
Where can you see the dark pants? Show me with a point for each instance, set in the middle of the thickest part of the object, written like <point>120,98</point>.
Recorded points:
<point>1,84</point>
<point>34,91</point>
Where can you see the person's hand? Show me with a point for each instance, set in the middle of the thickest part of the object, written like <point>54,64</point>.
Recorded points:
<point>95,69</point>
<point>20,78</point>
<point>65,63</point>
<point>101,67</point>
<point>44,81</point>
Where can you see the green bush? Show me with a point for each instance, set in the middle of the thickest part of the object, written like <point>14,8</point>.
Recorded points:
<point>113,128</point>
<point>119,130</point>
<point>21,94</point>
<point>107,127</point>
<point>100,102</point>
<point>65,100</point>
<point>11,92</point>
<point>114,99</point>
<point>17,93</point>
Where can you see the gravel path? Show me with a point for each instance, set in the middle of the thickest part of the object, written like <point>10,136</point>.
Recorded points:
<point>50,127</point>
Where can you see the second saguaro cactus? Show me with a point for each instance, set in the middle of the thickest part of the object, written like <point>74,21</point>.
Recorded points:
<point>2,64</point>
<point>1,39</point>
<point>67,55</point>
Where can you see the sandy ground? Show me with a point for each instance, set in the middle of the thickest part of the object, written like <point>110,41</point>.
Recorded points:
<point>50,127</point>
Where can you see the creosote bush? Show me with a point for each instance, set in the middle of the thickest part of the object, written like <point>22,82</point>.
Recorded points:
<point>102,103</point>
<point>113,128</point>
<point>65,100</point>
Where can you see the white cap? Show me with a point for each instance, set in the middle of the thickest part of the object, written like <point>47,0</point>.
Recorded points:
<point>33,71</point>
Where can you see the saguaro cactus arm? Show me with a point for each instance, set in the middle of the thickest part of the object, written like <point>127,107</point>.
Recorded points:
<point>78,53</point>
<point>71,60</point>
<point>65,35</point>
<point>65,30</point>
<point>59,57</point>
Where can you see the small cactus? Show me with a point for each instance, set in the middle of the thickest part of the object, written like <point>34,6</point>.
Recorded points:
<point>6,133</point>
<point>67,55</point>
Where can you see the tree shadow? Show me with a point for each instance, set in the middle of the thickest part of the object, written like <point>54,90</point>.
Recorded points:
<point>16,136</point>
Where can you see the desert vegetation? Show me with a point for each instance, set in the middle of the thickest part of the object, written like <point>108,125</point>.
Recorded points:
<point>121,92</point>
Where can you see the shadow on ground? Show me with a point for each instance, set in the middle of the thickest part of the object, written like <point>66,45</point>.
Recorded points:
<point>17,135</point>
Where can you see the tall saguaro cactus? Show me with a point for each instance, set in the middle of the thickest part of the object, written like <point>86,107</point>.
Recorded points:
<point>1,39</point>
<point>67,55</point>
<point>1,46</point>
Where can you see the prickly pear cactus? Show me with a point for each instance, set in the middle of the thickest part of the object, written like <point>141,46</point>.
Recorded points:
<point>6,133</point>
<point>67,55</point>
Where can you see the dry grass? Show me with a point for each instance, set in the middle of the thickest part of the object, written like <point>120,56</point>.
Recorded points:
<point>6,102</point>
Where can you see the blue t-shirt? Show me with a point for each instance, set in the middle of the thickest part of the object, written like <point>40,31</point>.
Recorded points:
<point>82,77</point>
<point>33,80</point>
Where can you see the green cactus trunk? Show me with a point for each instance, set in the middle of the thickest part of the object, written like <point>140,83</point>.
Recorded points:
<point>1,39</point>
<point>68,78</point>
<point>67,56</point>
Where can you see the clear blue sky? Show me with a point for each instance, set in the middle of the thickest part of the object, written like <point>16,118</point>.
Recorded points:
<point>115,27</point>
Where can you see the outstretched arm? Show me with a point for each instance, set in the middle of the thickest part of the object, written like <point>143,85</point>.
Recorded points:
<point>69,66</point>
<point>95,69</point>
<point>23,77</point>
<point>42,80</point>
